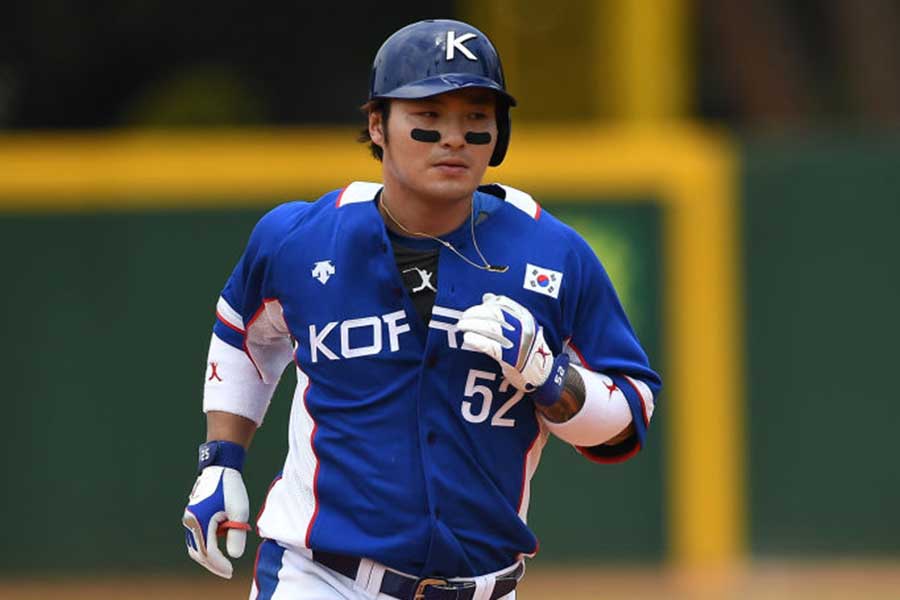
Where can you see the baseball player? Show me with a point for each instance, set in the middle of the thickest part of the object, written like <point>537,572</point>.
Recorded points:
<point>441,330</point>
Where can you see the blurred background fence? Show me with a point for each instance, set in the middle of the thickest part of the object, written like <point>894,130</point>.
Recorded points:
<point>735,164</point>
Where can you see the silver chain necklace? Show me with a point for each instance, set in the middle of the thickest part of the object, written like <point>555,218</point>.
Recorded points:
<point>485,267</point>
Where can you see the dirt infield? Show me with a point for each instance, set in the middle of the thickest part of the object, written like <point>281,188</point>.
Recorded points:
<point>763,581</point>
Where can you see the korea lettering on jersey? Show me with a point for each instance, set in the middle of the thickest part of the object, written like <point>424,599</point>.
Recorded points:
<point>405,447</point>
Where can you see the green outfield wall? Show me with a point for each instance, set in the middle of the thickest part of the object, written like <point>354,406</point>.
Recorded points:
<point>822,261</point>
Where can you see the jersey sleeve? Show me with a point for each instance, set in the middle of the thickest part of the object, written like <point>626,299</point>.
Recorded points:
<point>251,342</point>
<point>603,341</point>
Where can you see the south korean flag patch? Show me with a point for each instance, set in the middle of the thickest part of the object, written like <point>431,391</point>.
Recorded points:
<point>542,280</point>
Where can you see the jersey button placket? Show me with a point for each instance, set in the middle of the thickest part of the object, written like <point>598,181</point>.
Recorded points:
<point>428,430</point>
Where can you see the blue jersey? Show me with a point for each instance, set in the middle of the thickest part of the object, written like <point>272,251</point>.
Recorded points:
<point>404,447</point>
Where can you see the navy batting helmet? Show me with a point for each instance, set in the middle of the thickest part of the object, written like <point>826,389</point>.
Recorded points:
<point>436,56</point>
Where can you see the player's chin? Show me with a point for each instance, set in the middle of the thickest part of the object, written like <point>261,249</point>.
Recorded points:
<point>454,179</point>
<point>451,188</point>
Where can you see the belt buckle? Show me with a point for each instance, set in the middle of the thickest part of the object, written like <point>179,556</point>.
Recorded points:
<point>424,583</point>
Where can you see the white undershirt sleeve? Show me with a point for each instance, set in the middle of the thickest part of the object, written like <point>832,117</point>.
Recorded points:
<point>604,415</point>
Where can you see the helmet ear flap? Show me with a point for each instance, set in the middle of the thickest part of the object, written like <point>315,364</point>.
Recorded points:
<point>503,132</point>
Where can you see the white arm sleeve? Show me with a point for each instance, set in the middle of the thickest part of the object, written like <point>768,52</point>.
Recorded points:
<point>604,415</point>
<point>233,384</point>
<point>242,383</point>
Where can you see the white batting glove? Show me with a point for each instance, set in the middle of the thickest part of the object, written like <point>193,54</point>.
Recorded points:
<point>218,505</point>
<point>507,332</point>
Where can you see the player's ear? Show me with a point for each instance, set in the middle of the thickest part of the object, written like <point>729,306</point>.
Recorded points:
<point>376,127</point>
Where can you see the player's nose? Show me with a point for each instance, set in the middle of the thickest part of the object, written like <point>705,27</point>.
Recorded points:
<point>454,135</point>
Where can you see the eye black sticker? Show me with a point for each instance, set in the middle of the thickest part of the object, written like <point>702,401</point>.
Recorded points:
<point>431,136</point>
<point>425,135</point>
<point>478,137</point>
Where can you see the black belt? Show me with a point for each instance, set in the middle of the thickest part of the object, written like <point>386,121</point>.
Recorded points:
<point>406,587</point>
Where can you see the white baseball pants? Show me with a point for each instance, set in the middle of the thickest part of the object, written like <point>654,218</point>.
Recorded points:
<point>288,574</point>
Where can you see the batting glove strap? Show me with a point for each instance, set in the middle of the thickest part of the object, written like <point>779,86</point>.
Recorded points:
<point>548,393</point>
<point>221,454</point>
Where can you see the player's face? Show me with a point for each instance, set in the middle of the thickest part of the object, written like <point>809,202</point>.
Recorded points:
<point>451,167</point>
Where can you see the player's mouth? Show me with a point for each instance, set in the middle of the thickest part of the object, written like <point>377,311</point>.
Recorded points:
<point>451,166</point>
